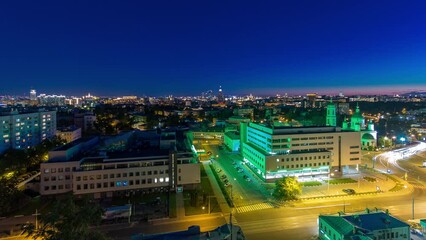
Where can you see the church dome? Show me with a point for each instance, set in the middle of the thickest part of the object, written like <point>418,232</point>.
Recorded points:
<point>367,136</point>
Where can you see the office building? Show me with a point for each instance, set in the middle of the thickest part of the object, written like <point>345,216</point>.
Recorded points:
<point>103,168</point>
<point>25,130</point>
<point>273,152</point>
<point>367,225</point>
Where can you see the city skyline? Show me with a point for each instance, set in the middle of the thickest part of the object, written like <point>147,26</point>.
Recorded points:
<point>174,49</point>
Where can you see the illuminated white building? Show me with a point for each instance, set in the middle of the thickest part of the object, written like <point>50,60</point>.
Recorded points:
<point>274,152</point>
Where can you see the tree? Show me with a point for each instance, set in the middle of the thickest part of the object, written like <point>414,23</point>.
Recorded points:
<point>287,188</point>
<point>9,195</point>
<point>69,219</point>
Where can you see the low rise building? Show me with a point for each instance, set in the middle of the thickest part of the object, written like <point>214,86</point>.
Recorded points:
<point>69,134</point>
<point>232,140</point>
<point>368,226</point>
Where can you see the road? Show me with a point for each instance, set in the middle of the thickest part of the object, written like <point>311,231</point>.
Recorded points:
<point>244,192</point>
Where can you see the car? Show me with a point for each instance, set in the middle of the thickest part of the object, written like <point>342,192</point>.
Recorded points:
<point>388,171</point>
<point>245,176</point>
<point>248,179</point>
<point>226,181</point>
<point>218,170</point>
<point>227,184</point>
<point>223,176</point>
<point>209,153</point>
<point>240,170</point>
<point>349,191</point>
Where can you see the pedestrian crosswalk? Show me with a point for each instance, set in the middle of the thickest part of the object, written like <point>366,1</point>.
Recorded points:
<point>253,207</point>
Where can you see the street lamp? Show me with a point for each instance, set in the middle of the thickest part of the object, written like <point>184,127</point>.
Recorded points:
<point>328,185</point>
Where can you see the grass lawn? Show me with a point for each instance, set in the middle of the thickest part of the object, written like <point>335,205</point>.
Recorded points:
<point>311,184</point>
<point>370,179</point>
<point>172,206</point>
<point>398,186</point>
<point>341,181</point>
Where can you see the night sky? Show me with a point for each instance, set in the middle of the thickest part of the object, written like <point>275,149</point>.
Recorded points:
<point>187,47</point>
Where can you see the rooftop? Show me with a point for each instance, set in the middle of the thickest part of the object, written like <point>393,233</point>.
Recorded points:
<point>72,144</point>
<point>233,135</point>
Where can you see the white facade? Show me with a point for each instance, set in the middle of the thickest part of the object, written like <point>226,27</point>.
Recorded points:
<point>21,131</point>
<point>69,134</point>
<point>102,176</point>
<point>296,151</point>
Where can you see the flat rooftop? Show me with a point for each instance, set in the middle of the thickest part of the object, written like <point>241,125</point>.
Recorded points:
<point>72,144</point>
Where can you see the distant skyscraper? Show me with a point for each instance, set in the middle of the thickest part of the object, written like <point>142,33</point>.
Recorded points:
<point>33,95</point>
<point>220,97</point>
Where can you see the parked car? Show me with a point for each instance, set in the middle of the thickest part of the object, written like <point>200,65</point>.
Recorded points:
<point>240,170</point>
<point>223,176</point>
<point>227,184</point>
<point>218,170</point>
<point>349,191</point>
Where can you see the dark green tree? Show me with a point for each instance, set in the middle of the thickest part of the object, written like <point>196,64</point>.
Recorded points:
<point>69,219</point>
<point>287,188</point>
<point>9,195</point>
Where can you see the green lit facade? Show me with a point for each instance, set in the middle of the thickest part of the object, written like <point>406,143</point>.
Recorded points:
<point>274,152</point>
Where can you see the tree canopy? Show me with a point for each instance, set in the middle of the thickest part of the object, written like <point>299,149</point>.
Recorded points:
<point>287,188</point>
<point>69,219</point>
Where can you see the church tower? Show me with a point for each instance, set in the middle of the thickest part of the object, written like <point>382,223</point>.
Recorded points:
<point>357,120</point>
<point>331,114</point>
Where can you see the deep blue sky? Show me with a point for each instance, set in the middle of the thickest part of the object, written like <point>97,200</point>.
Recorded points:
<point>186,47</point>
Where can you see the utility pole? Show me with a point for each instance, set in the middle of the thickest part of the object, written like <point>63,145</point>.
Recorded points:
<point>230,216</point>
<point>209,204</point>
<point>412,205</point>
<point>36,219</point>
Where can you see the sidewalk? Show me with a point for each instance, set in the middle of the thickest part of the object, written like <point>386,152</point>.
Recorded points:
<point>216,189</point>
